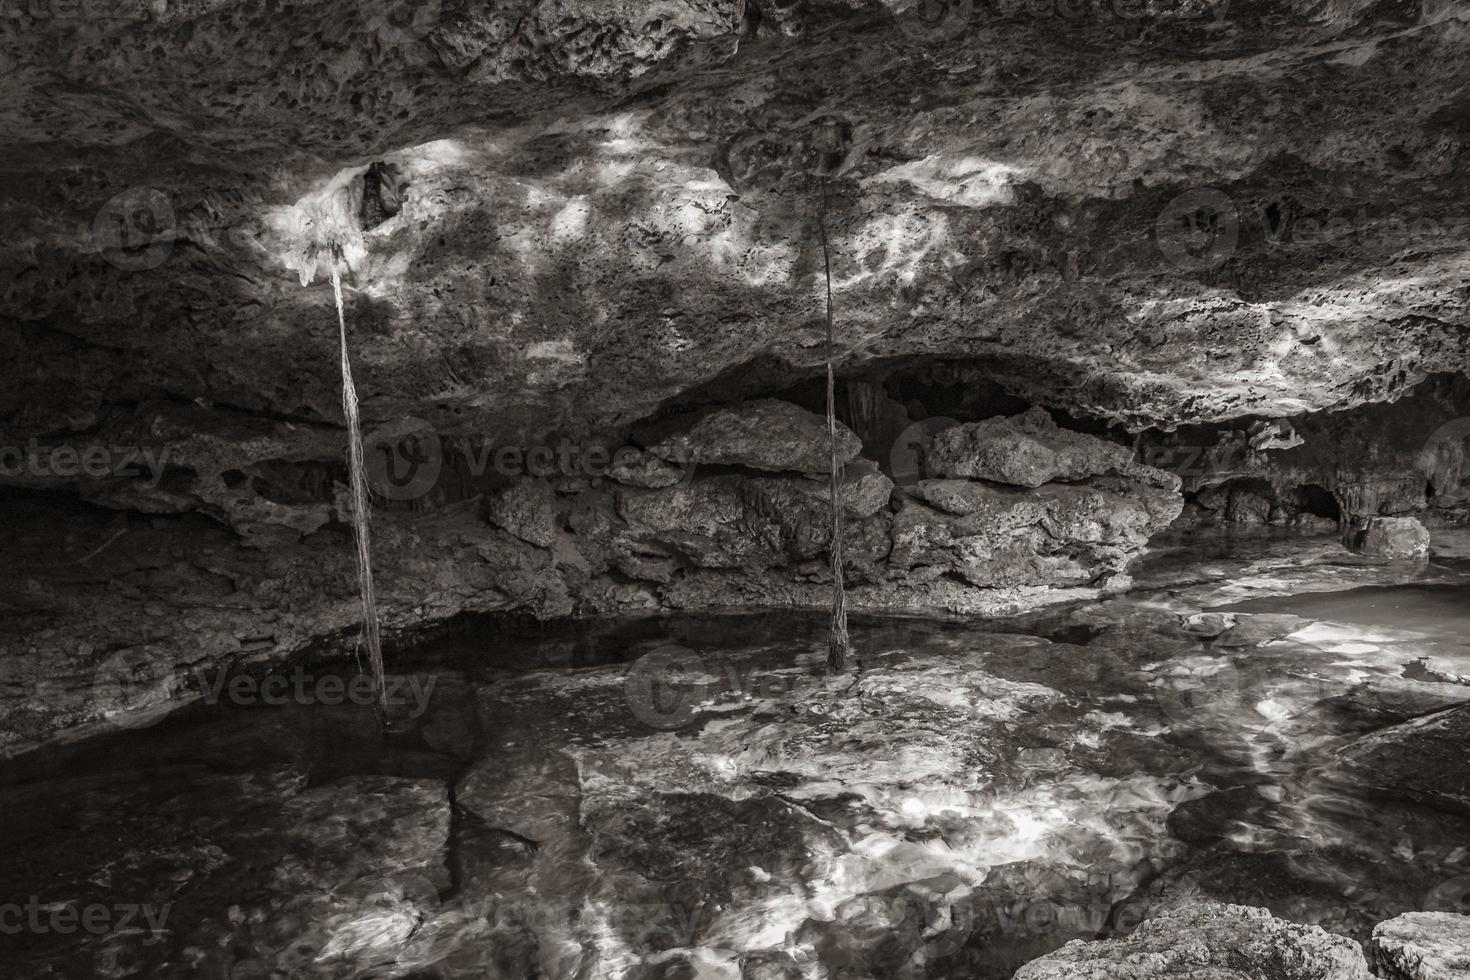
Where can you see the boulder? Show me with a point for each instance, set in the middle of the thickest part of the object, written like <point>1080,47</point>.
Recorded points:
<point>1423,946</point>
<point>1390,537</point>
<point>1027,450</point>
<point>1208,942</point>
<point>768,434</point>
<point>527,510</point>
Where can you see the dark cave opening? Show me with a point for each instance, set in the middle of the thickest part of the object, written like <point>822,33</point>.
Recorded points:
<point>1318,501</point>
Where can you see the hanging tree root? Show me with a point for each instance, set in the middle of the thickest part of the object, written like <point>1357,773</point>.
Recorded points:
<point>839,645</point>
<point>360,512</point>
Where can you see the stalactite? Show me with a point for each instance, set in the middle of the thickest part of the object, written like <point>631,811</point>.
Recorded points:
<point>360,513</point>
<point>839,645</point>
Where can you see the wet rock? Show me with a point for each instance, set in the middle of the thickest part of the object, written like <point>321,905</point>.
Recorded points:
<point>1390,537</point>
<point>1423,759</point>
<point>527,510</point>
<point>1381,700</point>
<point>1221,942</point>
<point>765,435</point>
<point>1024,450</point>
<point>1423,946</point>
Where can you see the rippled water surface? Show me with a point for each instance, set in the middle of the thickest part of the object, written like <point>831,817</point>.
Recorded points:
<point>692,797</point>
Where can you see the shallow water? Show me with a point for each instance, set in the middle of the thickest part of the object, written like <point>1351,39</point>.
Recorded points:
<point>691,797</point>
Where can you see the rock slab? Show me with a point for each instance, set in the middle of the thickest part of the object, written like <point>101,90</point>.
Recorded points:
<point>1208,942</point>
<point>1423,946</point>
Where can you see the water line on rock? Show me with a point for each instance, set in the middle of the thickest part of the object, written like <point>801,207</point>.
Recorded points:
<point>360,509</point>
<point>839,645</point>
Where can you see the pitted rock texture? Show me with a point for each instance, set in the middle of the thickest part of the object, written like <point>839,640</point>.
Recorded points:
<point>1423,946</point>
<point>1188,214</point>
<point>1024,451</point>
<point>765,435</point>
<point>1208,942</point>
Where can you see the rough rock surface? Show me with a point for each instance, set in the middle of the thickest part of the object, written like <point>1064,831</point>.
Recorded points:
<point>150,599</point>
<point>1391,537</point>
<point>1208,942</point>
<point>768,434</point>
<point>1423,946</point>
<point>1025,451</point>
<point>527,510</point>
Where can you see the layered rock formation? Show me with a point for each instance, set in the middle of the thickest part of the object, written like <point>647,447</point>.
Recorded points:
<point>741,526</point>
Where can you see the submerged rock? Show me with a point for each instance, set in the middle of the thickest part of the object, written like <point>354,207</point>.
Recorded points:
<point>1208,942</point>
<point>767,434</point>
<point>1423,946</point>
<point>1423,760</point>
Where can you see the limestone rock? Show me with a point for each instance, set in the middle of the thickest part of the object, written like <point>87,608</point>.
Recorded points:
<point>1060,534</point>
<point>1391,537</point>
<point>1208,942</point>
<point>1423,946</point>
<point>1024,450</point>
<point>527,510</point>
<point>768,434</point>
